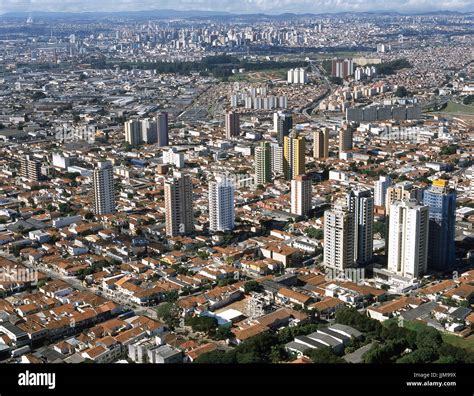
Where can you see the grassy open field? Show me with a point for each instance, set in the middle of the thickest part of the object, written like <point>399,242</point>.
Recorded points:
<point>341,54</point>
<point>465,343</point>
<point>260,76</point>
<point>458,108</point>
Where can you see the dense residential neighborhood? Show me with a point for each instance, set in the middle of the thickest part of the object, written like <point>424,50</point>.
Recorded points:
<point>237,190</point>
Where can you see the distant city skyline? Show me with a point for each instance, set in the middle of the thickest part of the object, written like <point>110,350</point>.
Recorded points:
<point>243,7</point>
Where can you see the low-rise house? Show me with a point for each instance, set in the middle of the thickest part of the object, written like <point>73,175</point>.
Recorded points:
<point>286,296</point>
<point>327,307</point>
<point>193,354</point>
<point>242,334</point>
<point>392,308</point>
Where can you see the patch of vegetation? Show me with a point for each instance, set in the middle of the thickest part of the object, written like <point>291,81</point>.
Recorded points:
<point>413,343</point>
<point>388,68</point>
<point>204,324</point>
<point>315,233</point>
<point>402,92</point>
<point>323,355</point>
<point>452,107</point>
<point>379,228</point>
<point>170,313</point>
<point>220,66</point>
<point>468,100</point>
<point>263,348</point>
<point>252,286</point>
<point>449,150</point>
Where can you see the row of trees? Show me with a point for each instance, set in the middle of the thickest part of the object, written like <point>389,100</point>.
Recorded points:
<point>263,348</point>
<point>220,66</point>
<point>395,344</point>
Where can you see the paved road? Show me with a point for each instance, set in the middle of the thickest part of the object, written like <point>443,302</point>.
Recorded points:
<point>307,111</point>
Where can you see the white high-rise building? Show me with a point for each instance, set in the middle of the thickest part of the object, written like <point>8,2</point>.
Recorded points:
<point>61,161</point>
<point>263,164</point>
<point>403,191</point>
<point>221,204</point>
<point>301,190</point>
<point>381,48</point>
<point>408,239</point>
<point>277,158</point>
<point>104,192</point>
<point>380,190</point>
<point>361,203</point>
<point>179,205</point>
<point>133,132</point>
<point>276,116</point>
<point>297,76</point>
<point>173,157</point>
<point>470,176</point>
<point>290,77</point>
<point>338,238</point>
<point>149,131</point>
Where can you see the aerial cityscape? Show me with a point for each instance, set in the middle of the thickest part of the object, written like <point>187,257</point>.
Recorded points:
<point>221,187</point>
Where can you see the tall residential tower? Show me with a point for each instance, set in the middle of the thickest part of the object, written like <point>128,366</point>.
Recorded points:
<point>263,164</point>
<point>361,203</point>
<point>293,156</point>
<point>221,204</point>
<point>179,205</point>
<point>104,191</point>
<point>232,125</point>
<point>338,238</point>
<point>321,144</point>
<point>408,239</point>
<point>301,195</point>
<point>442,203</point>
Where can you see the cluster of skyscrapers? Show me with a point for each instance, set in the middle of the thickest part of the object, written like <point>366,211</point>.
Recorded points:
<point>285,156</point>
<point>148,131</point>
<point>297,76</point>
<point>342,68</point>
<point>419,223</point>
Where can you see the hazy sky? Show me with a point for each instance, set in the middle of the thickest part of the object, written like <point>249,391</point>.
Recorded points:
<point>236,6</point>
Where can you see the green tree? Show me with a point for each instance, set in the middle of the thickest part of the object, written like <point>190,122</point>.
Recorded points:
<point>323,355</point>
<point>203,324</point>
<point>170,313</point>
<point>314,233</point>
<point>385,353</point>
<point>171,296</point>
<point>41,283</point>
<point>223,333</point>
<point>401,92</point>
<point>247,358</point>
<point>429,338</point>
<point>252,286</point>
<point>351,317</point>
<point>422,355</point>
<point>379,228</point>
<point>278,354</point>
